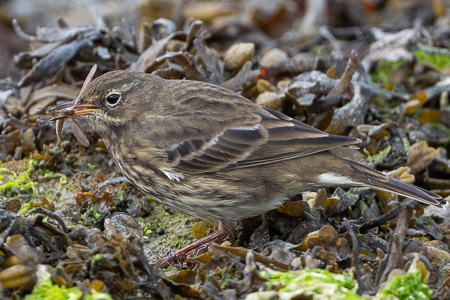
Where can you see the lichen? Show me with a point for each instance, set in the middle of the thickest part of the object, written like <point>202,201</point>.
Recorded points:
<point>177,231</point>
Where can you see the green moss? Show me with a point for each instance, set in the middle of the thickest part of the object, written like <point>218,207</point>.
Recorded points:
<point>6,170</point>
<point>406,144</point>
<point>384,70</point>
<point>97,296</point>
<point>97,258</point>
<point>379,157</point>
<point>91,216</point>
<point>46,290</point>
<point>227,275</point>
<point>96,215</point>
<point>25,208</point>
<point>147,230</point>
<point>48,193</point>
<point>319,284</point>
<point>440,60</point>
<point>93,167</point>
<point>47,174</point>
<point>320,50</point>
<point>21,181</point>
<point>406,287</point>
<point>441,127</point>
<point>73,187</point>
<point>177,227</point>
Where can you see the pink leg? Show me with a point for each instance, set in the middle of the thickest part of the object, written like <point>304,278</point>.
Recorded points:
<point>195,248</point>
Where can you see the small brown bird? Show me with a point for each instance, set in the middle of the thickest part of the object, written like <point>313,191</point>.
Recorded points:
<point>210,153</point>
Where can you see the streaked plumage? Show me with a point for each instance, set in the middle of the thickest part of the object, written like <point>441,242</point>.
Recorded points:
<point>210,153</point>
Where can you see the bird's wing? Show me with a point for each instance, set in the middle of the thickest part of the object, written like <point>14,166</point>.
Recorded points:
<point>264,137</point>
<point>289,139</point>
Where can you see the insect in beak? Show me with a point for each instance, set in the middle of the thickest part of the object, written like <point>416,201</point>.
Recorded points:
<point>73,110</point>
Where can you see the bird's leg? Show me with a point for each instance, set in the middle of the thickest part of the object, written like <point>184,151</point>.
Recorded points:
<point>195,248</point>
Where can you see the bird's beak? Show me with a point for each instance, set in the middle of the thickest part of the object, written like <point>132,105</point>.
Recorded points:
<point>73,109</point>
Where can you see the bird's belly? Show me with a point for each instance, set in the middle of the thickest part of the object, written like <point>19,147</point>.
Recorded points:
<point>203,197</point>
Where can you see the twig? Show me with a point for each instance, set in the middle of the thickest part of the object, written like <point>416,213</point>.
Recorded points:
<point>392,214</point>
<point>394,257</point>
<point>49,214</point>
<point>355,255</point>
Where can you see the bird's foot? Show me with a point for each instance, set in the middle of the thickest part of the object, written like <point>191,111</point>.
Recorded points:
<point>196,248</point>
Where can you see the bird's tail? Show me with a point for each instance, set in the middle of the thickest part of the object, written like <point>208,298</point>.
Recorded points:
<point>379,181</point>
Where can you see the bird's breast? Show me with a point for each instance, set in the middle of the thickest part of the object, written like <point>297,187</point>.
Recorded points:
<point>141,166</point>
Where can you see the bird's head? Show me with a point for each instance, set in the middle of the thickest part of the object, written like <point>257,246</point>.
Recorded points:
<point>112,100</point>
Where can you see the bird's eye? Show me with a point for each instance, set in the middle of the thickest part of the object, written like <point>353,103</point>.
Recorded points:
<point>112,99</point>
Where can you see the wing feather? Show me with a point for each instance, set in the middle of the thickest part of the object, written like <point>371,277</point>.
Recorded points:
<point>271,140</point>
<point>232,132</point>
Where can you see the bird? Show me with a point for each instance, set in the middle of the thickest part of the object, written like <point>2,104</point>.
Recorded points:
<point>211,153</point>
